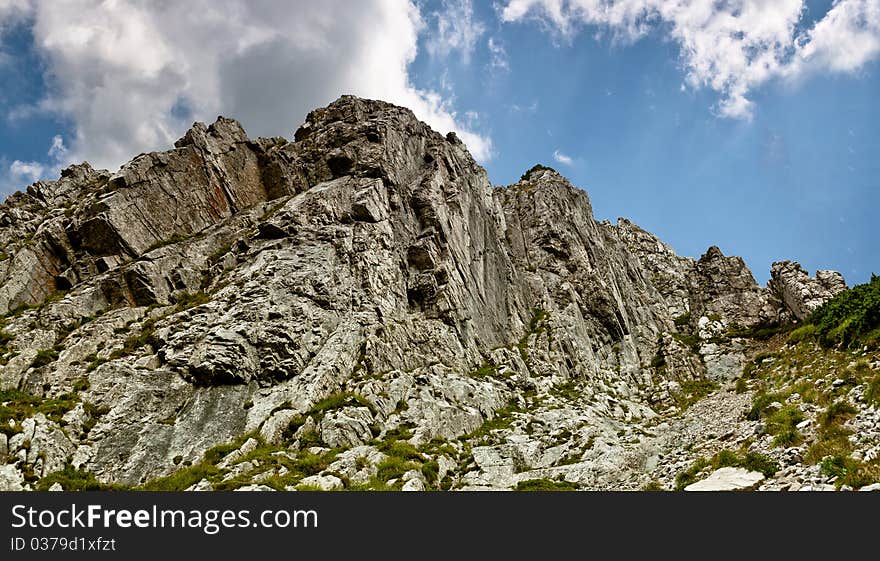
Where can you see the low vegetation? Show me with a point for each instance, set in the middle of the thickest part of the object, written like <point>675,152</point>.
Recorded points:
<point>693,391</point>
<point>534,169</point>
<point>849,320</point>
<point>176,238</point>
<point>545,485</point>
<point>74,479</point>
<point>832,378</point>
<point>17,405</point>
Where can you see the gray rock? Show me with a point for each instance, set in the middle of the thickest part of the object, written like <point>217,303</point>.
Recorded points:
<point>249,446</point>
<point>414,485</point>
<point>322,482</point>
<point>220,288</point>
<point>202,485</point>
<point>801,293</point>
<point>347,427</point>
<point>728,479</point>
<point>273,428</point>
<point>253,488</point>
<point>10,478</point>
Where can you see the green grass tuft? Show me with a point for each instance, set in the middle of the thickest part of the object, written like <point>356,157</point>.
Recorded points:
<point>545,485</point>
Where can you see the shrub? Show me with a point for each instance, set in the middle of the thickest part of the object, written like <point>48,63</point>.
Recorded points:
<point>783,424</point>
<point>431,470</point>
<point>761,332</point>
<point>851,318</point>
<point>393,467</point>
<point>849,471</point>
<point>682,320</point>
<point>658,361</point>
<point>536,168</point>
<point>691,340</point>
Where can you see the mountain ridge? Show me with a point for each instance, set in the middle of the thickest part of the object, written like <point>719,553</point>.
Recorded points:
<point>225,290</point>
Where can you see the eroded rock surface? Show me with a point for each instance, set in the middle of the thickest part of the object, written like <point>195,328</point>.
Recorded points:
<point>360,285</point>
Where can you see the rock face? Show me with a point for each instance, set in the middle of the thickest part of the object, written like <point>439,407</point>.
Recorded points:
<point>801,293</point>
<point>362,280</point>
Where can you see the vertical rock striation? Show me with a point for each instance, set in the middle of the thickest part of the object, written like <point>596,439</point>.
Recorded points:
<point>228,285</point>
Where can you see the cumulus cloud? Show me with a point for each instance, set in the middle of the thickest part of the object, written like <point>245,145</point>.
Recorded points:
<point>457,29</point>
<point>562,158</point>
<point>132,75</point>
<point>26,171</point>
<point>845,39</point>
<point>731,47</point>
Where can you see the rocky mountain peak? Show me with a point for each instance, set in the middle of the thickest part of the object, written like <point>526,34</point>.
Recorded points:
<point>223,132</point>
<point>361,281</point>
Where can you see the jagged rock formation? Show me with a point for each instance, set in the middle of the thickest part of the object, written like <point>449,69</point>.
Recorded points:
<point>801,293</point>
<point>228,286</point>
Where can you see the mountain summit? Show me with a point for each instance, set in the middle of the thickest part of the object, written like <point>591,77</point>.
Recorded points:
<point>360,308</point>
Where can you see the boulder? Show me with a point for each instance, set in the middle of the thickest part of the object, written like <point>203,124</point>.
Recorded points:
<point>728,479</point>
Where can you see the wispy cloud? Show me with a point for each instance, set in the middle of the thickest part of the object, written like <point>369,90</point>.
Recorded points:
<point>562,158</point>
<point>730,47</point>
<point>457,29</point>
<point>497,55</point>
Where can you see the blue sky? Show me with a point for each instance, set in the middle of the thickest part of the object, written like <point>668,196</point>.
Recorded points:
<point>752,129</point>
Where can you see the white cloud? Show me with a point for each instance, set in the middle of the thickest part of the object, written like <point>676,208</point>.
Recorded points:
<point>132,75</point>
<point>57,151</point>
<point>731,47</point>
<point>846,38</point>
<point>26,171</point>
<point>18,174</point>
<point>497,55</point>
<point>562,158</point>
<point>457,29</point>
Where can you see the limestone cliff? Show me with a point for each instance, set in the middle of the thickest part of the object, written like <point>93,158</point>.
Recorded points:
<point>359,287</point>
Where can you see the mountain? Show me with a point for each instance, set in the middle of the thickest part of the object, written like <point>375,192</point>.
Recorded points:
<point>360,308</point>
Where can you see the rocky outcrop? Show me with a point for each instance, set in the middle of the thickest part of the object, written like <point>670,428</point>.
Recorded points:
<point>361,283</point>
<point>800,292</point>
